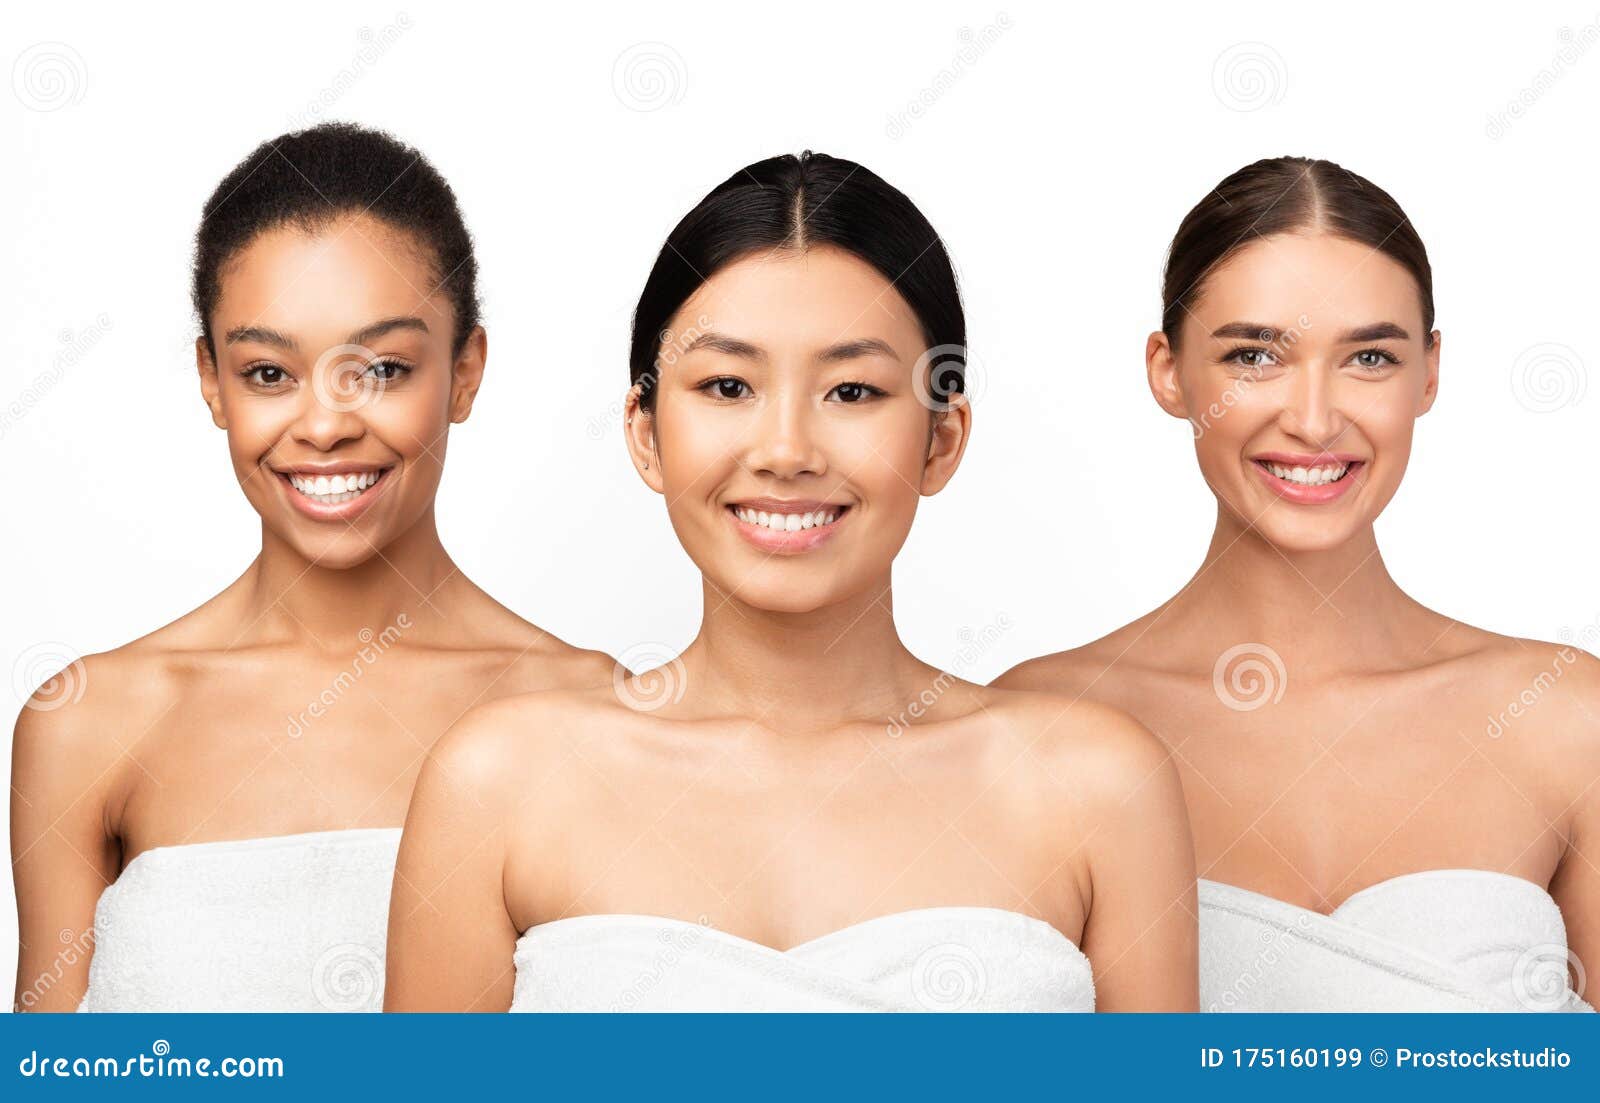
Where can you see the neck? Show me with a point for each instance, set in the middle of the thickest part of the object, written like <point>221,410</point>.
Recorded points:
<point>800,672</point>
<point>401,586</point>
<point>1333,608</point>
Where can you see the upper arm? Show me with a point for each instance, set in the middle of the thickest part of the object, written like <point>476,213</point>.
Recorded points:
<point>63,853</point>
<point>451,937</point>
<point>1576,884</point>
<point>1576,888</point>
<point>1142,933</point>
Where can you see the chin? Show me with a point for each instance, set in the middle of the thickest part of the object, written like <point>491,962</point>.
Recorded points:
<point>337,554</point>
<point>772,593</point>
<point>1308,535</point>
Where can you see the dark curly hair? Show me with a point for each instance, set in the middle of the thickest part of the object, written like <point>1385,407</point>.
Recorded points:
<point>307,179</point>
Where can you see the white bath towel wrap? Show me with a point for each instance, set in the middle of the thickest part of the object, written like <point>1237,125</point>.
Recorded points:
<point>1438,940</point>
<point>283,923</point>
<point>928,959</point>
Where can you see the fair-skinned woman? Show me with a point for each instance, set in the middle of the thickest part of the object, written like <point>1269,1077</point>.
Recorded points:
<point>747,809</point>
<point>1370,836</point>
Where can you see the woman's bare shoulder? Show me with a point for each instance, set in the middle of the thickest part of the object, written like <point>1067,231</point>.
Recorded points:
<point>1080,757</point>
<point>1543,687</point>
<point>76,735</point>
<point>496,743</point>
<point>1073,727</point>
<point>1085,669</point>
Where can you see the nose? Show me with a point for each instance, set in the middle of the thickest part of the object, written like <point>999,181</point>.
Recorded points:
<point>1312,411</point>
<point>785,444</point>
<point>323,425</point>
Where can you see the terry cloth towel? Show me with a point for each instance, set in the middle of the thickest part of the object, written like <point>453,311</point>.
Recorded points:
<point>928,959</point>
<point>284,923</point>
<point>1439,940</point>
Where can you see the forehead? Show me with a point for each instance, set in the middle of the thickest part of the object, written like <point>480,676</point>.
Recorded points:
<point>331,280</point>
<point>813,297</point>
<point>1331,281</point>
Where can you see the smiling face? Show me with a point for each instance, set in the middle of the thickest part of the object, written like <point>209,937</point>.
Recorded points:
<point>787,436</point>
<point>335,382</point>
<point>1302,366</point>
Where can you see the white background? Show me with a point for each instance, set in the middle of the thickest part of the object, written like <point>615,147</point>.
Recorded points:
<point>1055,152</point>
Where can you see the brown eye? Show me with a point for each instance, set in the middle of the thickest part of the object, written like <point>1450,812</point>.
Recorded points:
<point>853,392</point>
<point>267,375</point>
<point>725,387</point>
<point>387,370</point>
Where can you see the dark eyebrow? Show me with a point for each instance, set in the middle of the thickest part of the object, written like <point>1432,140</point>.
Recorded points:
<point>849,350</point>
<point>267,336</point>
<point>261,335</point>
<point>1247,331</point>
<point>1377,331</point>
<point>732,346</point>
<point>388,325</point>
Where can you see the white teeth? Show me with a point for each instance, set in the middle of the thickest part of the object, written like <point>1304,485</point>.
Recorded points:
<point>331,490</point>
<point>1309,476</point>
<point>785,522</point>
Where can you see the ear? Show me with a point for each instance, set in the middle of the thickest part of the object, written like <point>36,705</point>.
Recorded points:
<point>639,432</point>
<point>1161,369</point>
<point>1430,389</point>
<point>466,376</point>
<point>210,386</point>
<point>947,442</point>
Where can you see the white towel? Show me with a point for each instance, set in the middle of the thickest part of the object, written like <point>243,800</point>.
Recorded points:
<point>284,923</point>
<point>928,959</point>
<point>1439,940</point>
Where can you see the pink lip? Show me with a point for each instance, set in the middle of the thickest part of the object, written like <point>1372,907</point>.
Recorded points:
<point>340,511</point>
<point>1309,495</point>
<point>776,542</point>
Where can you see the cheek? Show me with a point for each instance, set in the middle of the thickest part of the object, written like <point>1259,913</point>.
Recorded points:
<point>413,422</point>
<point>882,456</point>
<point>696,457</point>
<point>698,446</point>
<point>1229,418</point>
<point>255,424</point>
<point>1389,426</point>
